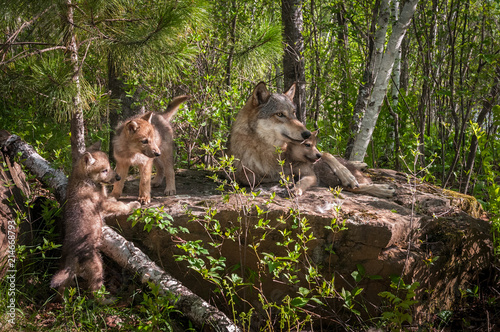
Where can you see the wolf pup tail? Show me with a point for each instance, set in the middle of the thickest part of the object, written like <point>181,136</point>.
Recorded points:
<point>173,106</point>
<point>61,278</point>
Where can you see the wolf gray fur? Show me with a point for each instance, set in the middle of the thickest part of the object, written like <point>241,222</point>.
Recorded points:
<point>86,206</point>
<point>145,140</point>
<point>264,125</point>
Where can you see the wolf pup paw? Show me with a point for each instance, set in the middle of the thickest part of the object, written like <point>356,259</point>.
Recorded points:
<point>144,199</point>
<point>169,192</point>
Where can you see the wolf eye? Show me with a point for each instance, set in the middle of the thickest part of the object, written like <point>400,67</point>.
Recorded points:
<point>307,145</point>
<point>145,141</point>
<point>104,170</point>
<point>280,115</point>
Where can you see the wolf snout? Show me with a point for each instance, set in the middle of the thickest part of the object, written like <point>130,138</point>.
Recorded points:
<point>306,134</point>
<point>117,177</point>
<point>157,153</point>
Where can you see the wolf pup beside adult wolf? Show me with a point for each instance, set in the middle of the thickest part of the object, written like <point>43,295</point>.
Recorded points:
<point>86,206</point>
<point>266,123</point>
<point>311,167</point>
<point>143,141</point>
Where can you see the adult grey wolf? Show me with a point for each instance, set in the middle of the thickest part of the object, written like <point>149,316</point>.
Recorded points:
<point>86,206</point>
<point>310,167</point>
<point>265,124</point>
<point>145,140</point>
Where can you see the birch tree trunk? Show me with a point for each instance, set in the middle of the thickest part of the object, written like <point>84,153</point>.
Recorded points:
<point>376,50</point>
<point>14,146</point>
<point>77,124</point>
<point>293,58</point>
<point>380,86</point>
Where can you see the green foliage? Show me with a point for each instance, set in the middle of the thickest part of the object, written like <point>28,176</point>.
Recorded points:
<point>155,218</point>
<point>398,304</point>
<point>157,309</point>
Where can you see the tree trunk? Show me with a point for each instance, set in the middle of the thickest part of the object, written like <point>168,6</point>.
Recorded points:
<point>77,124</point>
<point>487,108</point>
<point>13,146</point>
<point>380,22</point>
<point>381,82</point>
<point>293,58</point>
<point>116,247</point>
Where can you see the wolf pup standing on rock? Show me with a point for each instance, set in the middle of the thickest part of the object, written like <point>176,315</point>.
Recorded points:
<point>86,206</point>
<point>266,122</point>
<point>304,161</point>
<point>143,141</point>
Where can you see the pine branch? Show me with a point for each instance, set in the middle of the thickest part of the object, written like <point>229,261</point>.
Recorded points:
<point>24,54</point>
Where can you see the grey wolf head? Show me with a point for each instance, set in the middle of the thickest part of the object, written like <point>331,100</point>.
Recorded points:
<point>276,121</point>
<point>305,151</point>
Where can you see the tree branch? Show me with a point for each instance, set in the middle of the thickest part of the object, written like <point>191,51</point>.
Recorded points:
<point>23,55</point>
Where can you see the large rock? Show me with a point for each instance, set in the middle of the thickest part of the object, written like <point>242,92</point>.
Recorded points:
<point>422,234</point>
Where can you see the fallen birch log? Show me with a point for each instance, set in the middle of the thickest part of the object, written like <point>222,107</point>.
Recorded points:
<point>125,253</point>
<point>13,146</point>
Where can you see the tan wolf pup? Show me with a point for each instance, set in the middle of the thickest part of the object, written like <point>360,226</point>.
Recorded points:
<point>310,166</point>
<point>143,141</point>
<point>86,206</point>
<point>265,124</point>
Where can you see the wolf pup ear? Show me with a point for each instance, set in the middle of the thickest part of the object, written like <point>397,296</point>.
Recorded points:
<point>132,126</point>
<point>315,133</point>
<point>291,92</point>
<point>260,94</point>
<point>148,116</point>
<point>95,147</point>
<point>88,159</point>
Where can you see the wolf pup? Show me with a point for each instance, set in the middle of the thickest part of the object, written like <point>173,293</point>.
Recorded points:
<point>304,161</point>
<point>265,124</point>
<point>86,206</point>
<point>143,141</point>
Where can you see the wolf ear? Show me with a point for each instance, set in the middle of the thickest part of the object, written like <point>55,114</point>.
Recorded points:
<point>291,92</point>
<point>147,116</point>
<point>132,126</point>
<point>260,94</point>
<point>315,133</point>
<point>95,147</point>
<point>88,159</point>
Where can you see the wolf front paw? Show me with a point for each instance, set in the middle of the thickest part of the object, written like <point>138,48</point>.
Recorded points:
<point>169,192</point>
<point>144,199</point>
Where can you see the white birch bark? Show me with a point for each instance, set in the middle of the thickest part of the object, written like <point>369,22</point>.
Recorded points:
<point>381,82</point>
<point>371,69</point>
<point>14,147</point>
